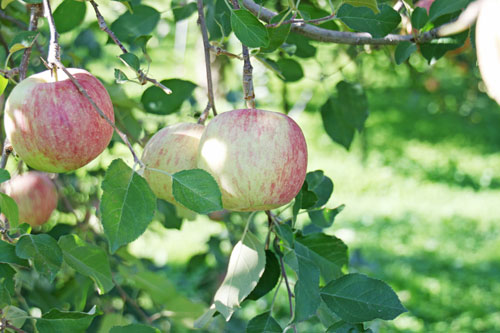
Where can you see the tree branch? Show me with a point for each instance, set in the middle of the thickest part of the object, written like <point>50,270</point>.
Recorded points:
<point>11,19</point>
<point>36,11</point>
<point>54,55</point>
<point>143,78</point>
<point>10,73</point>
<point>206,49</point>
<point>247,70</point>
<point>352,38</point>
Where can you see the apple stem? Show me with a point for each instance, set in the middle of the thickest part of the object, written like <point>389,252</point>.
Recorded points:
<point>35,13</point>
<point>54,55</point>
<point>247,71</point>
<point>6,151</point>
<point>206,45</point>
<point>143,78</point>
<point>84,92</point>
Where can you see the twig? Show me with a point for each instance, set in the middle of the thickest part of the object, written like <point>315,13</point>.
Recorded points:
<point>54,55</point>
<point>6,151</point>
<point>143,78</point>
<point>128,299</point>
<point>302,21</point>
<point>9,73</point>
<point>218,51</point>
<point>247,70</point>
<point>11,19</point>
<point>206,47</point>
<point>346,37</point>
<point>36,11</point>
<point>14,328</point>
<point>285,277</point>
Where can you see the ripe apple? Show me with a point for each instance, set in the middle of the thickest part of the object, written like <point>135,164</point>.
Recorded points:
<point>35,195</point>
<point>172,149</point>
<point>258,158</point>
<point>52,126</point>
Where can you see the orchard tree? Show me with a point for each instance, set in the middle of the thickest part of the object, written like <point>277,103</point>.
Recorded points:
<point>246,168</point>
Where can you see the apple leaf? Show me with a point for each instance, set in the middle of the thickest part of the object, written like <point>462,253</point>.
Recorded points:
<point>197,190</point>
<point>156,101</point>
<point>365,20</point>
<point>357,298</point>
<point>8,255</point>
<point>131,61</point>
<point>9,208</point>
<point>325,217</point>
<point>279,34</point>
<point>87,259</point>
<point>15,316</point>
<point>142,21</point>
<point>404,51</point>
<point>246,266</point>
<point>443,7</point>
<point>419,18</point>
<point>264,323</point>
<point>3,85</point>
<point>321,185</point>
<point>5,3</point>
<point>22,40</point>
<point>65,321</point>
<point>6,284</point>
<point>4,174</point>
<point>43,251</point>
<point>127,205</point>
<point>372,4</point>
<point>270,277</point>
<point>69,15</point>
<point>249,30</point>
<point>290,69</point>
<point>134,328</point>
<point>120,77</point>
<point>306,289</point>
<point>184,12</point>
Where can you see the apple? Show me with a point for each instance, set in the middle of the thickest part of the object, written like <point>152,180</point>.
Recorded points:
<point>35,195</point>
<point>172,149</point>
<point>258,158</point>
<point>52,126</point>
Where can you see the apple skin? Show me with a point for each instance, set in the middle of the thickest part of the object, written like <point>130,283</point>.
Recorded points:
<point>258,158</point>
<point>52,126</point>
<point>172,149</point>
<point>35,195</point>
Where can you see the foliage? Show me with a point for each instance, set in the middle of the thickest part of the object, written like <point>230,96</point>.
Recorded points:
<point>80,271</point>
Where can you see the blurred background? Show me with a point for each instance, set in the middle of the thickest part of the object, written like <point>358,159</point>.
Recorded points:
<point>421,184</point>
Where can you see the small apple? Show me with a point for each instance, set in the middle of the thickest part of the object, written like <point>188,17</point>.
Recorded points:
<point>52,126</point>
<point>35,195</point>
<point>172,149</point>
<point>258,158</point>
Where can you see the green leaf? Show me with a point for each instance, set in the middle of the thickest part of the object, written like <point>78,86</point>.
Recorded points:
<point>419,18</point>
<point>363,19</point>
<point>120,77</point>
<point>69,15</point>
<point>142,21</point>
<point>304,49</point>
<point>345,113</point>
<point>88,260</point>
<point>4,174</point>
<point>6,284</point>
<point>127,205</point>
<point>269,279</point>
<point>343,327</point>
<point>372,4</point>
<point>156,101</point>
<point>438,47</point>
<point>197,190</point>
<point>246,266</point>
<point>264,323</point>
<point>218,19</point>
<point>15,316</point>
<point>321,185</point>
<point>307,297</point>
<point>171,220</point>
<point>279,34</point>
<point>443,7</point>
<point>3,85</point>
<point>184,12</point>
<point>9,208</point>
<point>8,255</point>
<point>329,253</point>
<point>403,51</point>
<point>357,298</point>
<point>5,3</point>
<point>248,29</point>
<point>163,292</point>
<point>22,40</point>
<point>131,61</point>
<point>134,328</point>
<point>43,251</point>
<point>142,42</point>
<point>324,218</point>
<point>290,69</point>
<point>65,321</point>
<point>285,233</point>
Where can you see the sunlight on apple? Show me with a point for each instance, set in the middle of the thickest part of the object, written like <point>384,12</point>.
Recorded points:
<point>214,152</point>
